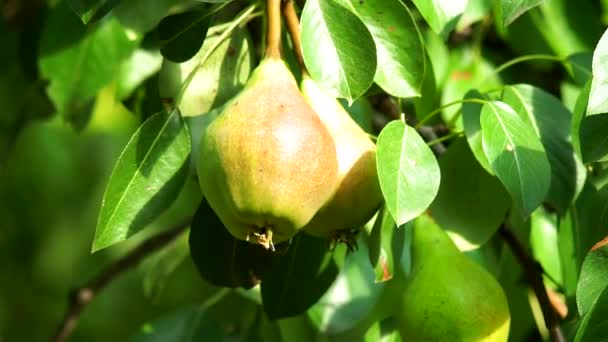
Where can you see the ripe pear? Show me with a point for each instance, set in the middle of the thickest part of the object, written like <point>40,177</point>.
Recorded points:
<point>267,163</point>
<point>358,194</point>
<point>449,297</point>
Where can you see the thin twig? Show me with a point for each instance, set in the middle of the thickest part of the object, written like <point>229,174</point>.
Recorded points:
<point>533,272</point>
<point>79,298</point>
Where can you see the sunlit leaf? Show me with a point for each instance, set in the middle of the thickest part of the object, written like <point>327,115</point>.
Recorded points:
<point>516,155</point>
<point>146,179</point>
<point>408,171</point>
<point>338,49</point>
<point>512,9</point>
<point>441,15</point>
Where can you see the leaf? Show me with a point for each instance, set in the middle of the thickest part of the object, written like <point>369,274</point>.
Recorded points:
<point>593,324</point>
<point>158,267</point>
<point>183,34</point>
<point>598,103</point>
<point>593,280</point>
<point>552,122</point>
<point>545,246</point>
<point>471,114</point>
<point>350,298</point>
<point>140,16</point>
<point>594,138</point>
<point>147,178</point>
<point>516,155</point>
<point>222,259</point>
<point>90,11</point>
<point>380,246</point>
<point>442,16</point>
<point>509,10</point>
<point>401,56</point>
<point>78,64</point>
<point>471,203</point>
<point>580,108</point>
<point>408,171</point>
<point>190,323</point>
<point>475,11</point>
<point>222,74</point>
<point>141,65</point>
<point>338,50</point>
<point>297,280</point>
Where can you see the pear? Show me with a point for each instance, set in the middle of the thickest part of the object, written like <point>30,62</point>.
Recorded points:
<point>267,163</point>
<point>449,297</point>
<point>358,194</point>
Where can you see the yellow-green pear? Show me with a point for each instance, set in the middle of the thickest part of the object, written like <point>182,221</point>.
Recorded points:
<point>358,194</point>
<point>267,163</point>
<point>449,297</point>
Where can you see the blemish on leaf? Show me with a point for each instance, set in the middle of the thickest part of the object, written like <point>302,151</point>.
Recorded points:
<point>391,29</point>
<point>461,75</point>
<point>509,148</point>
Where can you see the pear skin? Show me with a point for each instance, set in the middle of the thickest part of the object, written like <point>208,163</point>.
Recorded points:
<point>267,163</point>
<point>449,297</point>
<point>358,194</point>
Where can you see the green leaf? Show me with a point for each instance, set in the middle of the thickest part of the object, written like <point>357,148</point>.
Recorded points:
<point>578,231</point>
<point>297,280</point>
<point>516,155</point>
<point>593,280</point>
<point>183,34</point>
<point>78,64</point>
<point>552,122</point>
<point>511,9</point>
<point>578,115</point>
<point>401,57</point>
<point>222,259</point>
<point>593,324</point>
<point>545,246</point>
<point>158,267</point>
<point>594,138</point>
<point>471,114</point>
<point>141,65</point>
<point>140,16</point>
<point>598,103</point>
<point>190,323</point>
<point>223,72</point>
<point>475,11</point>
<point>442,16</point>
<point>147,178</point>
<point>379,244</point>
<point>338,50</point>
<point>471,204</point>
<point>350,298</point>
<point>408,171</point>
<point>90,11</point>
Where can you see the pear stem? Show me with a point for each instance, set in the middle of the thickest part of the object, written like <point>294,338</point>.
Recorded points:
<point>533,272</point>
<point>293,26</point>
<point>273,31</point>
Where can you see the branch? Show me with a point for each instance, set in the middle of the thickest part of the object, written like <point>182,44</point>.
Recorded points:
<point>533,272</point>
<point>293,26</point>
<point>273,31</point>
<point>79,298</point>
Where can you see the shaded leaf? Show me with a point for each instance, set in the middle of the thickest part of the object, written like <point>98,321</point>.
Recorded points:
<point>140,16</point>
<point>192,323</point>
<point>141,65</point>
<point>442,16</point>
<point>471,204</point>
<point>90,11</point>
<point>401,57</point>
<point>594,323</point>
<point>183,34</point>
<point>158,267</point>
<point>516,155</point>
<point>594,138</point>
<point>545,246</point>
<point>222,259</point>
<point>147,178</point>
<point>297,280</point>
<point>407,170</point>
<point>222,74</point>
<point>380,245</point>
<point>350,298</point>
<point>593,280</point>
<point>338,50</point>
